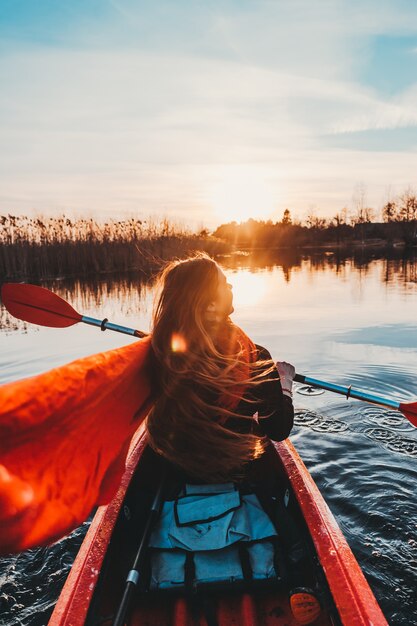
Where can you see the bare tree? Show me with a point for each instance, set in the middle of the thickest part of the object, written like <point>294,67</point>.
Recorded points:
<point>407,215</point>
<point>315,221</point>
<point>340,218</point>
<point>408,207</point>
<point>362,212</point>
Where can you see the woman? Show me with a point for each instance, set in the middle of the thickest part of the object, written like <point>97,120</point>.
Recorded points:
<point>209,379</point>
<point>219,397</point>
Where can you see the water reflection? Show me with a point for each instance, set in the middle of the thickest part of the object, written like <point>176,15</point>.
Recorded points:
<point>120,296</point>
<point>397,266</point>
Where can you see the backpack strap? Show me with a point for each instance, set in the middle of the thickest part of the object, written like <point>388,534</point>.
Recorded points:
<point>189,571</point>
<point>245,561</point>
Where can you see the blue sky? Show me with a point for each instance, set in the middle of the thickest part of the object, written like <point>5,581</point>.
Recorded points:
<point>206,111</point>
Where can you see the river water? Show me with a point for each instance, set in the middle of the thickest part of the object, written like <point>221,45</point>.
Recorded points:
<point>349,320</point>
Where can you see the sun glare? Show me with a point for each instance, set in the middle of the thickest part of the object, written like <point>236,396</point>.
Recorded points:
<point>249,289</point>
<point>240,192</point>
<point>178,343</point>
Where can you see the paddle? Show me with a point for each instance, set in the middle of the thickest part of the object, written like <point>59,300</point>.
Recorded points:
<point>408,409</point>
<point>40,306</point>
<point>133,577</point>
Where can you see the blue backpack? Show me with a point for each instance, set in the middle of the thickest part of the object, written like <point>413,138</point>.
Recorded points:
<point>209,534</point>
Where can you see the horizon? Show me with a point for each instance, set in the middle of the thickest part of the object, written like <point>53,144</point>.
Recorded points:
<point>313,221</point>
<point>209,113</point>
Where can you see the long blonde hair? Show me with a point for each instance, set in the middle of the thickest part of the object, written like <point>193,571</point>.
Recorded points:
<point>193,369</point>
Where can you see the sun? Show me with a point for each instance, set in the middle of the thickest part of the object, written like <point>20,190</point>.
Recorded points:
<point>237,193</point>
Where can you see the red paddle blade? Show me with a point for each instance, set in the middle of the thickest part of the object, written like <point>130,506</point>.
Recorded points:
<point>38,305</point>
<point>410,411</point>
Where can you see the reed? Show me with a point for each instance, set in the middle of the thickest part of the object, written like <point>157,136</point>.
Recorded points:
<point>42,248</point>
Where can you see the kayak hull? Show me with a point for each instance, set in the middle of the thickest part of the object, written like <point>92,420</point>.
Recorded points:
<point>75,598</point>
<point>350,597</point>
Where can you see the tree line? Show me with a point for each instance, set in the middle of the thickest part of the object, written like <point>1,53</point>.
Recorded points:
<point>399,226</point>
<point>40,247</point>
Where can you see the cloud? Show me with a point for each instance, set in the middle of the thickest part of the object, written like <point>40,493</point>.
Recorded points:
<point>142,107</point>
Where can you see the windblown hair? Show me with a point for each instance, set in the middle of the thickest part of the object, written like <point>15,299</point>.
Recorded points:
<point>193,371</point>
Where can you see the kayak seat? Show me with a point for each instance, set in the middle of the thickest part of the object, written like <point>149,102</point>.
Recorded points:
<point>213,535</point>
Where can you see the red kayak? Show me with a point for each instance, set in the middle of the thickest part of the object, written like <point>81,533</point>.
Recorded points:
<point>93,591</point>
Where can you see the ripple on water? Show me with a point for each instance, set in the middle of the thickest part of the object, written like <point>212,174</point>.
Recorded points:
<point>379,434</point>
<point>403,446</point>
<point>305,418</point>
<point>392,441</point>
<point>385,418</point>
<point>390,419</point>
<point>330,426</point>
<point>390,380</point>
<point>318,422</point>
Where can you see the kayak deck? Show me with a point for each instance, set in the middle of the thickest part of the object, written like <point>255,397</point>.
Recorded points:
<point>259,609</point>
<point>94,588</point>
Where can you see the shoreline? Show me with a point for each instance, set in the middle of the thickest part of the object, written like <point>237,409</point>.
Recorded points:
<point>152,262</point>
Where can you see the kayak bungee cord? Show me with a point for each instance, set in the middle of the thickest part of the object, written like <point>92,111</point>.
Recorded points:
<point>38,305</point>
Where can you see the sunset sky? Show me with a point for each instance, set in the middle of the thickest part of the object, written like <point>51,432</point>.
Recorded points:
<point>206,111</point>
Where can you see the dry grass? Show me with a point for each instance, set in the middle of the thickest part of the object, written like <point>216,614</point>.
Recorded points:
<point>42,247</point>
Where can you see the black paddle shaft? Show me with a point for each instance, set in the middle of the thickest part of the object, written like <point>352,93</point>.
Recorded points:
<point>133,575</point>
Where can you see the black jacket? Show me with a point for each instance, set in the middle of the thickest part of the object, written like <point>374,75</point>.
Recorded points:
<point>275,421</point>
<point>275,410</point>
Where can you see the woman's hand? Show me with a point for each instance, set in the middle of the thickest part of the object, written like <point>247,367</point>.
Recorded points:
<point>286,373</point>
